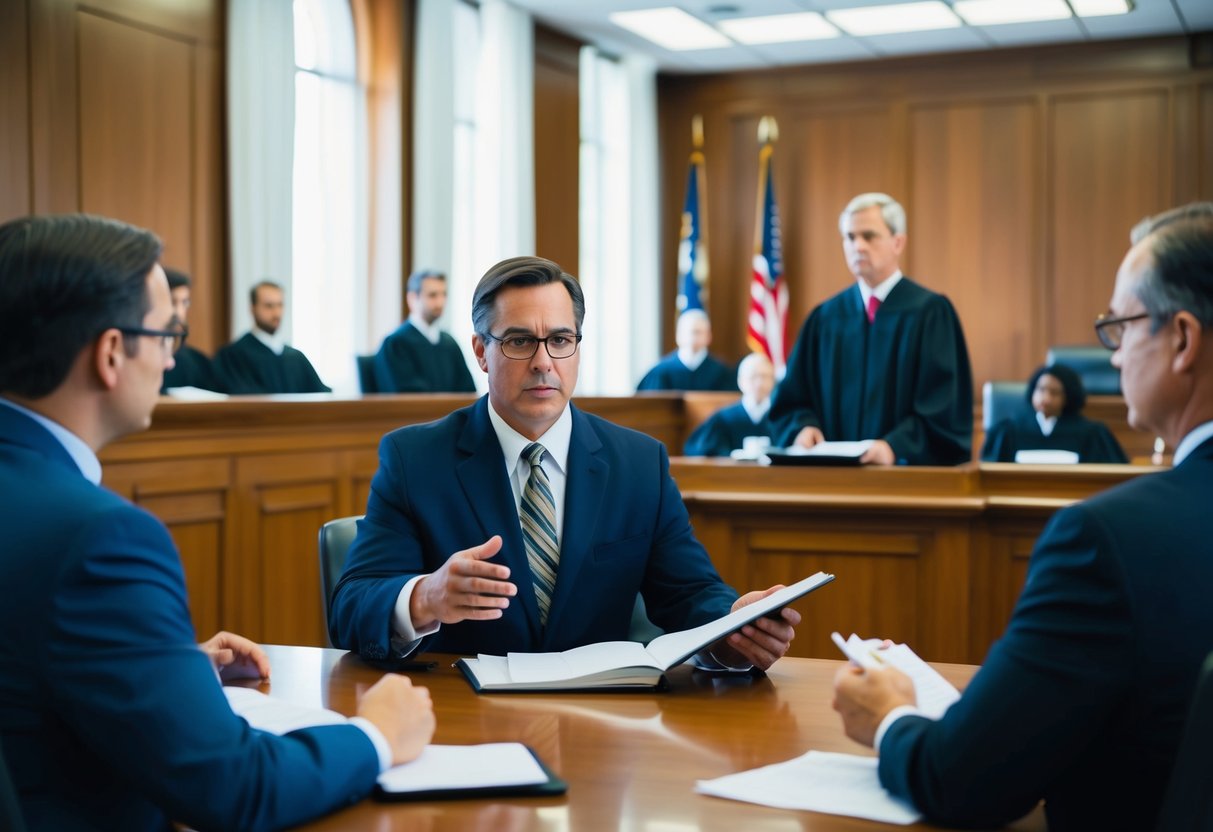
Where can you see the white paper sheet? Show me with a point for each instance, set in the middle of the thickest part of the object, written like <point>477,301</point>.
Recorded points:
<point>819,781</point>
<point>465,766</point>
<point>275,715</point>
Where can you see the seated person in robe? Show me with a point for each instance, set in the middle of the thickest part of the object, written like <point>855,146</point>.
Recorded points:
<point>191,368</point>
<point>727,429</point>
<point>261,362</point>
<point>691,366</point>
<point>1057,396</point>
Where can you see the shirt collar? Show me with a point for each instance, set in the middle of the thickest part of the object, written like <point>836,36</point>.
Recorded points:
<point>431,331</point>
<point>882,289</point>
<point>1047,423</point>
<point>555,440</point>
<point>757,411</point>
<point>274,343</point>
<point>76,447</point>
<point>692,360</point>
<point>1195,438</point>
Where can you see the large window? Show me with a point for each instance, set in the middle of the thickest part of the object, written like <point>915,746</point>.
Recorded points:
<point>329,241</point>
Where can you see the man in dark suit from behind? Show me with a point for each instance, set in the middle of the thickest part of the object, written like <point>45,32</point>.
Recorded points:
<point>111,717</point>
<point>191,368</point>
<point>419,357</point>
<point>442,554</point>
<point>260,362</point>
<point>1082,701</point>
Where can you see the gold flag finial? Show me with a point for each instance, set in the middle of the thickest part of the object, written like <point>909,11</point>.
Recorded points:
<point>697,132</point>
<point>768,130</point>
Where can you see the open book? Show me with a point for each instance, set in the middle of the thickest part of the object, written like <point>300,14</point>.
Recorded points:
<point>620,664</point>
<point>823,453</point>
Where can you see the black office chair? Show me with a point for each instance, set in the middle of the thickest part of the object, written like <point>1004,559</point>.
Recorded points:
<point>1093,365</point>
<point>10,807</point>
<point>337,535</point>
<point>1002,400</point>
<point>335,539</point>
<point>1188,804</point>
<point>366,373</point>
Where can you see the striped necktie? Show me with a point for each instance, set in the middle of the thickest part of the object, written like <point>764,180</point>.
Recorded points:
<point>537,514</point>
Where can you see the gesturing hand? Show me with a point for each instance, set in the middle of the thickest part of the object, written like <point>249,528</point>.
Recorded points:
<point>467,586</point>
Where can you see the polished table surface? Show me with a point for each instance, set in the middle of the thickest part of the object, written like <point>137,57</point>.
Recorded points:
<point>631,760</point>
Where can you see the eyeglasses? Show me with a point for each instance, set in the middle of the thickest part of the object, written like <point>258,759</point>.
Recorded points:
<point>171,340</point>
<point>522,347</point>
<point>1112,330</point>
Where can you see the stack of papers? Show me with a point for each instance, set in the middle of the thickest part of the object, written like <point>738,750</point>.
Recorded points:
<point>935,694</point>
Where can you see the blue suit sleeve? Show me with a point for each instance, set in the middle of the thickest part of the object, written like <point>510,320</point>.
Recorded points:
<point>1045,692</point>
<point>125,673</point>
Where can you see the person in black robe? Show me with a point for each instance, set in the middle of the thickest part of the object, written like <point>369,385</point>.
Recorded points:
<point>727,429</point>
<point>1057,396</point>
<point>258,362</point>
<point>691,366</point>
<point>191,367</point>
<point>418,357</point>
<point>883,360</point>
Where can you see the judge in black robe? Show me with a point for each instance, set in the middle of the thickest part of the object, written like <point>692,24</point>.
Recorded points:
<point>407,362</point>
<point>903,378</point>
<point>1057,396</point>
<point>191,368</point>
<point>249,367</point>
<point>727,429</point>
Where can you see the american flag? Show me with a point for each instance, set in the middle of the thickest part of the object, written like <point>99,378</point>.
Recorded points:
<point>768,319</point>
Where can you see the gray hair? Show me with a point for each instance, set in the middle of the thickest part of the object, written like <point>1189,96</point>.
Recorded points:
<point>1149,224</point>
<point>890,210</point>
<point>1180,276</point>
<point>521,271</point>
<point>418,277</point>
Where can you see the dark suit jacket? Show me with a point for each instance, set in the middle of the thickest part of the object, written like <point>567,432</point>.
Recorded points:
<point>443,487</point>
<point>1081,702</point>
<point>110,715</point>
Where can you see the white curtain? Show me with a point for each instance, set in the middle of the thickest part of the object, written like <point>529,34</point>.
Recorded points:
<point>619,267</point>
<point>261,123</point>
<point>505,154</point>
<point>433,149</point>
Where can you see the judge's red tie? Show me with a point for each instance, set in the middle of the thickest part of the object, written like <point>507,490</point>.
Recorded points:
<point>873,305</point>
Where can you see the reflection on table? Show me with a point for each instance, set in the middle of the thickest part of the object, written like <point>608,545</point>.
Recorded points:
<point>631,760</point>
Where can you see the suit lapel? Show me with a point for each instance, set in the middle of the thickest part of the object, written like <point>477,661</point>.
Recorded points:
<point>490,498</point>
<point>585,485</point>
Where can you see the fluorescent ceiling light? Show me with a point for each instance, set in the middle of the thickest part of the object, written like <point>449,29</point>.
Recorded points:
<point>671,28</point>
<point>1098,8</point>
<point>778,28</point>
<point>887,20</point>
<point>996,12</point>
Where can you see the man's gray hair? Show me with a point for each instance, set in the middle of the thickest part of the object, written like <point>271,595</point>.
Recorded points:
<point>1157,221</point>
<point>890,210</point>
<point>1180,276</point>
<point>418,277</point>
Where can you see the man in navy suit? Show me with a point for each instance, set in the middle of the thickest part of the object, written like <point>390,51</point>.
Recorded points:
<point>111,717</point>
<point>443,553</point>
<point>1082,701</point>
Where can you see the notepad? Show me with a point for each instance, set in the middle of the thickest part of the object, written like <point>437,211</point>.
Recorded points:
<point>934,694</point>
<point>470,771</point>
<point>620,664</point>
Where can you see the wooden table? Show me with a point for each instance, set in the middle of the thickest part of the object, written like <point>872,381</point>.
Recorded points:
<point>631,760</point>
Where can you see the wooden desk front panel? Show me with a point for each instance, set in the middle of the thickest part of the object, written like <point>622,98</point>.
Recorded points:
<point>933,556</point>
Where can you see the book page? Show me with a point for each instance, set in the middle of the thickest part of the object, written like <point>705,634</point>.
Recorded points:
<point>531,668</point>
<point>442,767</point>
<point>672,648</point>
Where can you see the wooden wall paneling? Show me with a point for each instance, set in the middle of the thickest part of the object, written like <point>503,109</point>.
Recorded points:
<point>973,199</point>
<point>208,227</point>
<point>557,118</point>
<point>190,496</point>
<point>283,500</point>
<point>845,153</point>
<point>1002,548</point>
<point>1110,167</point>
<point>1204,142</point>
<point>15,197</point>
<point>54,101</point>
<point>136,122</point>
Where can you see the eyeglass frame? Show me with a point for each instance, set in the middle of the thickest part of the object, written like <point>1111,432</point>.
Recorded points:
<point>172,340</point>
<point>1102,322</point>
<point>576,338</point>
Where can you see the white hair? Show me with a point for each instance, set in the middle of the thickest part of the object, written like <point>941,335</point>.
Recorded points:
<point>890,210</point>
